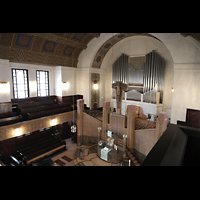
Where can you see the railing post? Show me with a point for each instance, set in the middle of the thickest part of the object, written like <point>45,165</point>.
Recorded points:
<point>131,115</point>
<point>161,125</point>
<point>106,115</point>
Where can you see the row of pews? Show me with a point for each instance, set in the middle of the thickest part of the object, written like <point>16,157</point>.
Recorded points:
<point>35,107</point>
<point>29,152</point>
<point>28,149</point>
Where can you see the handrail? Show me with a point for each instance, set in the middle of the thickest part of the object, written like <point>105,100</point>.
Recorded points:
<point>169,150</point>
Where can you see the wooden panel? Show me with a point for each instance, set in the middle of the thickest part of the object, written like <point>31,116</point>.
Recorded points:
<point>106,116</point>
<point>117,123</point>
<point>193,118</point>
<point>7,132</point>
<point>144,140</point>
<point>131,115</point>
<point>90,125</point>
<point>5,110</point>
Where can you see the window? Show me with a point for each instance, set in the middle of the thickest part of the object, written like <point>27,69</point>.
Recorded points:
<point>20,83</point>
<point>42,83</point>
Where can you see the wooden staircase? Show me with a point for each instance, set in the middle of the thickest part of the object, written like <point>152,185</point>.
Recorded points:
<point>133,159</point>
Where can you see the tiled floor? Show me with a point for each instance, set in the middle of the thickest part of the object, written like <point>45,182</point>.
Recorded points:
<point>69,157</point>
<point>66,158</point>
<point>82,156</point>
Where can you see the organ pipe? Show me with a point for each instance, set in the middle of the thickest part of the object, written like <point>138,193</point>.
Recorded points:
<point>152,76</point>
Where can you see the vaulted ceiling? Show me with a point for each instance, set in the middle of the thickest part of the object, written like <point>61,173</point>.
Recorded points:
<point>56,49</point>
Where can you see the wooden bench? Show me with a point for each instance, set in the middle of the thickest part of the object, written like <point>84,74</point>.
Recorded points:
<point>35,115</point>
<point>33,150</point>
<point>28,148</point>
<point>10,120</point>
<point>6,116</point>
<point>36,107</point>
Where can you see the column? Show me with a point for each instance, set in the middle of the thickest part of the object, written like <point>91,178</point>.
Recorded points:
<point>80,108</point>
<point>106,116</point>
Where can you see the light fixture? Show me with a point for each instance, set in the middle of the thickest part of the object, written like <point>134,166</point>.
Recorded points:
<point>65,85</point>
<point>172,89</point>
<point>53,122</point>
<point>3,83</point>
<point>95,85</point>
<point>18,132</point>
<point>73,128</point>
<point>4,87</point>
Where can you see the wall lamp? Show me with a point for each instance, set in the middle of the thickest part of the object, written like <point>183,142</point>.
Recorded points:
<point>18,132</point>
<point>95,85</point>
<point>65,85</point>
<point>53,122</point>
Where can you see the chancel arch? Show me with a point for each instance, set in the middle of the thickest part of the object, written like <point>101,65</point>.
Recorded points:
<point>180,53</point>
<point>134,51</point>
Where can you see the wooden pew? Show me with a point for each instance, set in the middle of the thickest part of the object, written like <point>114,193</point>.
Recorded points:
<point>6,116</point>
<point>32,108</point>
<point>35,115</point>
<point>33,150</point>
<point>10,120</point>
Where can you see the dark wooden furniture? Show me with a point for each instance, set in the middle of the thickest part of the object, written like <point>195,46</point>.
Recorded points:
<point>6,115</point>
<point>35,107</point>
<point>44,162</point>
<point>178,146</point>
<point>24,150</point>
<point>33,150</point>
<point>192,118</point>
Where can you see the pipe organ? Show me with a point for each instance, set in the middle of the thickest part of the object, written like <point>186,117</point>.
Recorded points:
<point>143,74</point>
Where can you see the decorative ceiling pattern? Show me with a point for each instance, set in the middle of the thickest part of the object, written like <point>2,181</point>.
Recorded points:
<point>57,49</point>
<point>111,42</point>
<point>103,50</point>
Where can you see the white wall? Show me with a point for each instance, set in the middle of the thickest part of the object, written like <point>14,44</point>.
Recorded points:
<point>32,76</point>
<point>186,90</point>
<point>83,84</point>
<point>182,71</point>
<point>57,75</point>
<point>140,45</point>
<point>5,76</point>
<point>69,76</point>
<point>182,67</point>
<point>58,80</point>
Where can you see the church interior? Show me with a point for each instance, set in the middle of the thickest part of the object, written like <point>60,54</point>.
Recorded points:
<point>99,99</point>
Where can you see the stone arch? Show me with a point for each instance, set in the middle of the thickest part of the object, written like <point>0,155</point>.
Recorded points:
<point>106,46</point>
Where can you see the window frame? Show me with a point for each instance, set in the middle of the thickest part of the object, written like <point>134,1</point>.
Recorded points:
<point>25,82</point>
<point>46,84</point>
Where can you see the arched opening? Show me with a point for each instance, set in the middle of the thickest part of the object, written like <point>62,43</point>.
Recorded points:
<point>137,45</point>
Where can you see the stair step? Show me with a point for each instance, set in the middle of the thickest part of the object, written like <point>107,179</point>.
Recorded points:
<point>133,159</point>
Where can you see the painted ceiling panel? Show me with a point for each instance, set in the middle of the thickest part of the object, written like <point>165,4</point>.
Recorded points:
<point>56,48</point>
<point>44,48</point>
